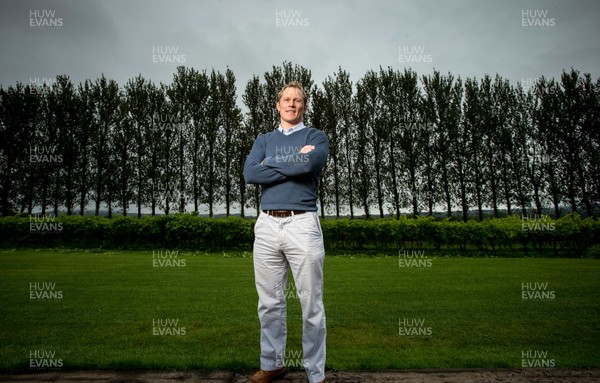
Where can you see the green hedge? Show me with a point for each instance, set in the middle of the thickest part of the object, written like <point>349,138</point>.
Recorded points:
<point>179,231</point>
<point>570,236</point>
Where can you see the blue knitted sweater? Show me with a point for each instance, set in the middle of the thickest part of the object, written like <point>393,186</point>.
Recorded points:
<point>287,177</point>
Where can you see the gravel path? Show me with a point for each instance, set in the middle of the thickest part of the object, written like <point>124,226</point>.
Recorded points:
<point>562,375</point>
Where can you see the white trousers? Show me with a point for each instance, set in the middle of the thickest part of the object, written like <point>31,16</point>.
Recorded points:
<point>295,242</point>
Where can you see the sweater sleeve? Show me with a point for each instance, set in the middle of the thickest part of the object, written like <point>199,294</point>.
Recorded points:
<point>257,173</point>
<point>302,164</point>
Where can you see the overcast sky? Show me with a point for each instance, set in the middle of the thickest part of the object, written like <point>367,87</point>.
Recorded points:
<point>520,40</point>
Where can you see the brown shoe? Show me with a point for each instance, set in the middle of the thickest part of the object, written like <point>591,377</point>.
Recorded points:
<point>267,376</point>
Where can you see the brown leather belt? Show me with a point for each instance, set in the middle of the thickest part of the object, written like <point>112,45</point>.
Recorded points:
<point>283,213</point>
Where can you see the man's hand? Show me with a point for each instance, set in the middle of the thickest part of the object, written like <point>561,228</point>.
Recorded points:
<point>307,148</point>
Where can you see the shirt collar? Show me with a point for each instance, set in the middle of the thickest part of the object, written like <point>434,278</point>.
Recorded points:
<point>293,129</point>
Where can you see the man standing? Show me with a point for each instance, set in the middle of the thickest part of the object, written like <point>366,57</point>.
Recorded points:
<point>287,163</point>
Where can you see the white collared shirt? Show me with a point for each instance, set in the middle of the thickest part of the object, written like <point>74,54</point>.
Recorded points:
<point>293,129</point>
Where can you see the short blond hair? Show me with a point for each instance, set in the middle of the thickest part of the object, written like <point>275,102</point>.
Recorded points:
<point>293,84</point>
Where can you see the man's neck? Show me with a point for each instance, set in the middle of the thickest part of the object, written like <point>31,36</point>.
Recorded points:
<point>286,125</point>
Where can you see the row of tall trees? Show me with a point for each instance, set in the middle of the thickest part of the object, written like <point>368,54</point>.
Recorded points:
<point>398,142</point>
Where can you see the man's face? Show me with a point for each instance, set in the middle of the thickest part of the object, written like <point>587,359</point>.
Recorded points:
<point>291,107</point>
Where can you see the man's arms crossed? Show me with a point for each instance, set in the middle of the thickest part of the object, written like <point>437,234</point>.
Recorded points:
<point>309,159</point>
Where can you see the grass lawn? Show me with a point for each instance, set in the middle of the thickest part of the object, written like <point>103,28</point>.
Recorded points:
<point>131,310</point>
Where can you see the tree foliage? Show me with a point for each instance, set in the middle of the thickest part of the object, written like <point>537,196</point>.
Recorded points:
<point>400,143</point>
